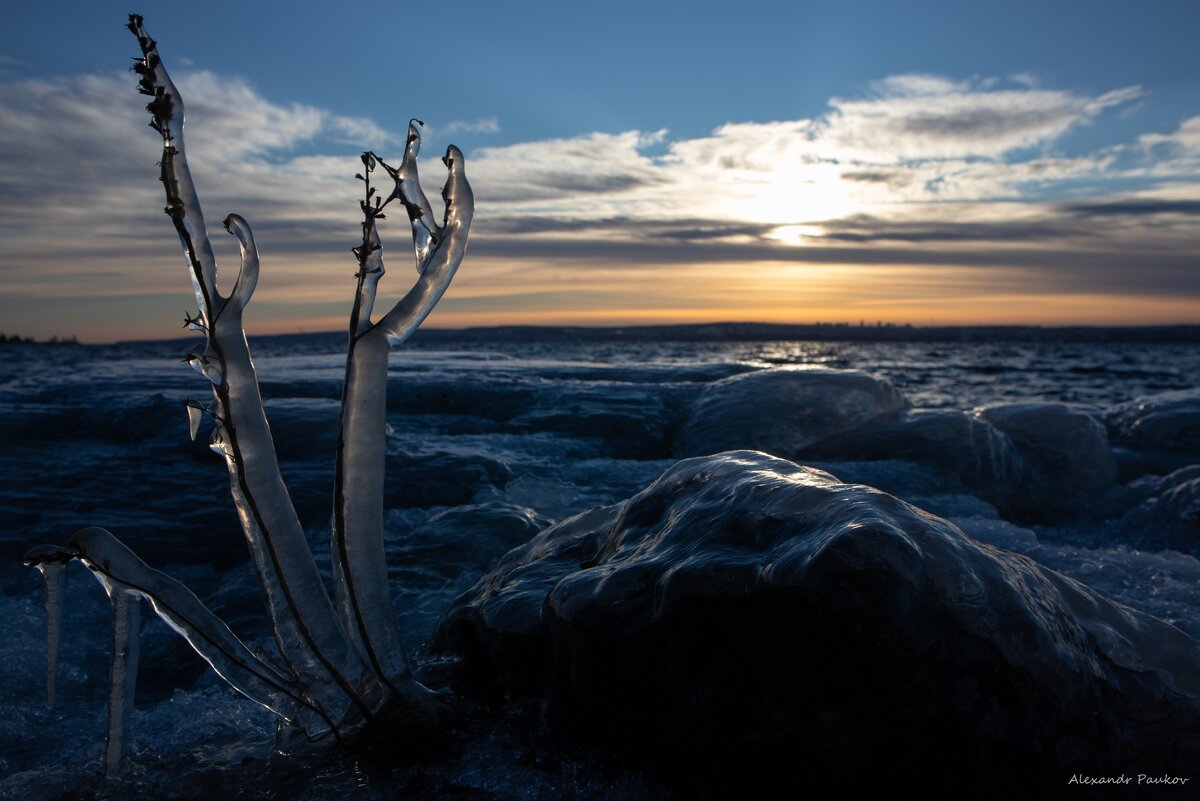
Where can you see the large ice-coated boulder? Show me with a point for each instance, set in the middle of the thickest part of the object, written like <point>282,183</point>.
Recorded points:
<point>744,621</point>
<point>785,410</point>
<point>1069,462</point>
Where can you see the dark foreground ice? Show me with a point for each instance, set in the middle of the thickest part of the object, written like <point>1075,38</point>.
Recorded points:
<point>769,621</point>
<point>1075,456</point>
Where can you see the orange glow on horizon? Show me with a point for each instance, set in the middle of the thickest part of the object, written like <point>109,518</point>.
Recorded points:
<point>494,292</point>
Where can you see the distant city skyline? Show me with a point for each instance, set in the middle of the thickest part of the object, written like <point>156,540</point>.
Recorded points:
<point>923,163</point>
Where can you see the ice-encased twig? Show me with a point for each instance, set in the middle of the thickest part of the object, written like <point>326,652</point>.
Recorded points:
<point>305,624</point>
<point>360,568</point>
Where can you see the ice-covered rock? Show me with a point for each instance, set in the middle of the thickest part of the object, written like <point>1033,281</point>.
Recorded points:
<point>1170,517</point>
<point>1069,463</point>
<point>468,537</point>
<point>1156,434</point>
<point>636,421</point>
<point>971,450</point>
<point>1169,421</point>
<point>1000,533</point>
<point>439,478</point>
<point>783,411</point>
<point>769,621</point>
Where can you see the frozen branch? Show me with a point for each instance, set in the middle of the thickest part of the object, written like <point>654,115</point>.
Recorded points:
<point>305,624</point>
<point>360,567</point>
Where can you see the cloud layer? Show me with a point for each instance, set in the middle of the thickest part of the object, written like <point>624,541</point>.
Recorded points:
<point>918,173</point>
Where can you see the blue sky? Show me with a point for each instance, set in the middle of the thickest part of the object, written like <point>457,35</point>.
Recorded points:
<point>634,162</point>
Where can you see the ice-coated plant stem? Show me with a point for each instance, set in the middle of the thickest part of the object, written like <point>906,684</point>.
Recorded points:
<point>312,642</point>
<point>360,566</point>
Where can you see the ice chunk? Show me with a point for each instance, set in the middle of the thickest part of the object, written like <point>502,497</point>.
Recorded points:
<point>551,496</point>
<point>1169,421</point>
<point>1170,517</point>
<point>783,411</point>
<point>1060,439</point>
<point>965,447</point>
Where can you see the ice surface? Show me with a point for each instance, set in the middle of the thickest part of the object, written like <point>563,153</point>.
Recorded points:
<point>456,435</point>
<point>740,598</point>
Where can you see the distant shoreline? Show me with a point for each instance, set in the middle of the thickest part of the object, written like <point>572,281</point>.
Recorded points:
<point>829,332</point>
<point>766,332</point>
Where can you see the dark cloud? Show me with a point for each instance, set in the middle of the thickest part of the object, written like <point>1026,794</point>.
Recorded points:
<point>865,228</point>
<point>679,229</point>
<point>889,178</point>
<point>556,185</point>
<point>1144,271</point>
<point>984,124</point>
<point>716,231</point>
<point>595,184</point>
<point>533,224</point>
<point>1133,208</point>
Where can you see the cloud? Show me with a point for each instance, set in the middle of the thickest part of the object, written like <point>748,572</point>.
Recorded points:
<point>919,118</point>
<point>1135,207</point>
<point>865,228</point>
<point>572,171</point>
<point>484,125</point>
<point>918,170</point>
<point>1185,140</point>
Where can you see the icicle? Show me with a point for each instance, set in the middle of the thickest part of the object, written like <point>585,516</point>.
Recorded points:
<point>122,676</point>
<point>195,416</point>
<point>53,574</point>
<point>51,562</point>
<point>117,566</point>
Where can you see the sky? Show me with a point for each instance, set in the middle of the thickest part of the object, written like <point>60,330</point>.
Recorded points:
<point>633,163</point>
